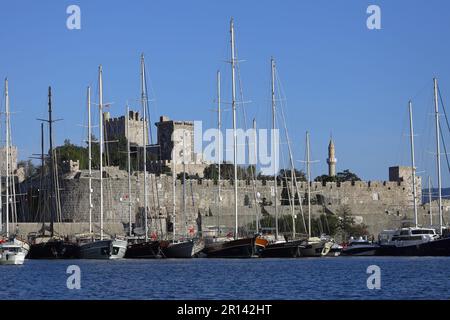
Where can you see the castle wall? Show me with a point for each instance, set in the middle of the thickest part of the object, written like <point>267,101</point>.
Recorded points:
<point>379,205</point>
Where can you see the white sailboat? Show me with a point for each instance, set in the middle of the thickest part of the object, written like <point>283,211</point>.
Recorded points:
<point>102,247</point>
<point>12,251</point>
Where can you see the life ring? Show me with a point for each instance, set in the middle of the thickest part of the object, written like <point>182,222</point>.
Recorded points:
<point>326,248</point>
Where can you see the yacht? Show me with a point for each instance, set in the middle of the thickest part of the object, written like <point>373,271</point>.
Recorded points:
<point>413,242</point>
<point>13,252</point>
<point>360,247</point>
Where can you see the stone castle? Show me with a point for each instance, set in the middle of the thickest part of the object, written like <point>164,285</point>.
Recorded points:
<point>377,204</point>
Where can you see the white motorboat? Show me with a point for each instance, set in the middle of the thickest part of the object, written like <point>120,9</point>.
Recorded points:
<point>13,252</point>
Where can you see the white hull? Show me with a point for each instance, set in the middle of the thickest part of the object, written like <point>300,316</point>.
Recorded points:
<point>13,252</point>
<point>14,258</point>
<point>103,249</point>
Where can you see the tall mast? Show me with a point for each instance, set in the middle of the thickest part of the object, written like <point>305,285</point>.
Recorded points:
<point>255,147</point>
<point>52,172</point>
<point>90,156</point>
<point>308,166</point>
<point>129,169</point>
<point>219,149</point>
<point>429,200</point>
<point>272,67</point>
<point>144,140</point>
<point>184,180</point>
<point>42,210</point>
<point>293,202</point>
<point>413,163</point>
<point>7,155</point>
<point>174,195</point>
<point>233,106</point>
<point>438,152</point>
<point>100,105</point>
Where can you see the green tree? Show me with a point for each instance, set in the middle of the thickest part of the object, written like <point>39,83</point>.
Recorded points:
<point>342,176</point>
<point>347,175</point>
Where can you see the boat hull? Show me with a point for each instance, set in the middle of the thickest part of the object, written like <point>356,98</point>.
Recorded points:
<point>104,249</point>
<point>438,248</point>
<point>361,251</point>
<point>54,249</point>
<point>240,248</point>
<point>13,252</point>
<point>290,249</point>
<point>334,252</point>
<point>312,249</point>
<point>144,250</point>
<point>185,249</point>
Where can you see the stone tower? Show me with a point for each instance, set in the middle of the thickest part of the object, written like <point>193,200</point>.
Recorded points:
<point>331,159</point>
<point>116,128</point>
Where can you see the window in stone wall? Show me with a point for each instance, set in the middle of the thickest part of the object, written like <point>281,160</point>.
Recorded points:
<point>246,200</point>
<point>375,196</point>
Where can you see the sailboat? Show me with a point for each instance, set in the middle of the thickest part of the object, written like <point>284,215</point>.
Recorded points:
<point>43,245</point>
<point>12,250</point>
<point>313,246</point>
<point>218,239</point>
<point>142,248</point>
<point>239,247</point>
<point>183,248</point>
<point>418,241</point>
<point>93,247</point>
<point>280,247</point>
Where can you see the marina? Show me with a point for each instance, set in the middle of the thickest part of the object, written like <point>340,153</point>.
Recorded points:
<point>235,154</point>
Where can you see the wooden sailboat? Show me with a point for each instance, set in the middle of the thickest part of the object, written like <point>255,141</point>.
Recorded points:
<point>142,248</point>
<point>183,248</point>
<point>12,249</point>
<point>217,239</point>
<point>280,247</point>
<point>102,247</point>
<point>313,246</point>
<point>239,247</point>
<point>43,245</point>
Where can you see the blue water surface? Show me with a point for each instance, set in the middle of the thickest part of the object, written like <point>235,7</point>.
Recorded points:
<point>292,279</point>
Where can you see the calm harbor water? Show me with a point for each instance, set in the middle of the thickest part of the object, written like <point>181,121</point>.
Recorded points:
<point>296,279</point>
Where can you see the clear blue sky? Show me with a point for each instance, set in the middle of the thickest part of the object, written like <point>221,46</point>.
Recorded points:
<point>338,76</point>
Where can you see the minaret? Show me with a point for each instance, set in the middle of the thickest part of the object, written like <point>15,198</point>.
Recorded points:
<point>331,159</point>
